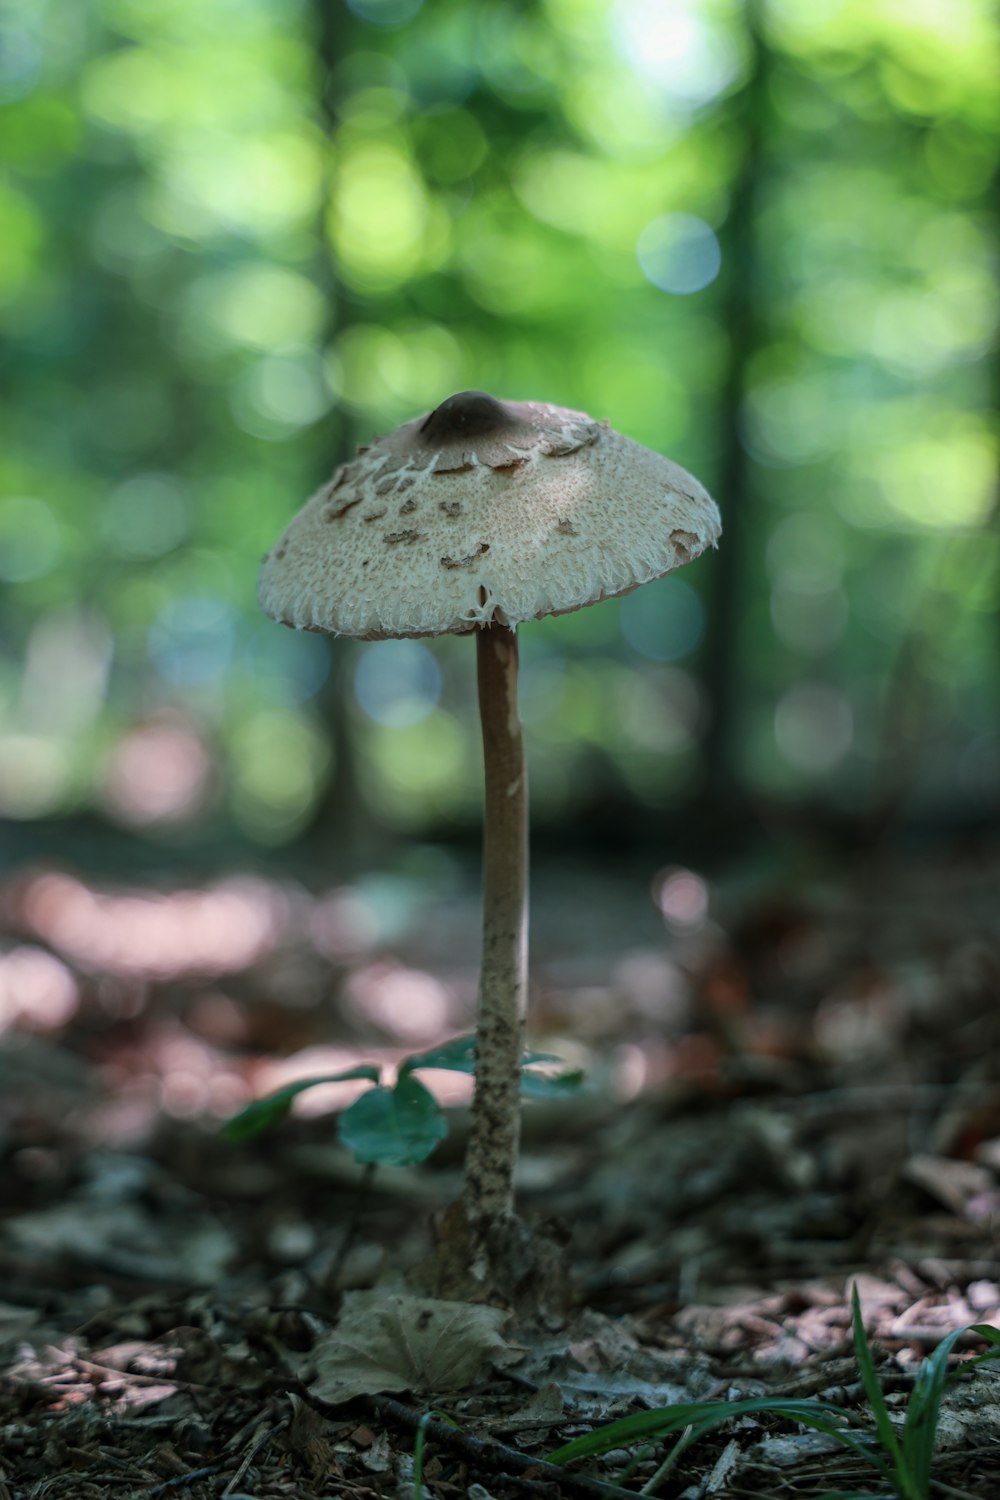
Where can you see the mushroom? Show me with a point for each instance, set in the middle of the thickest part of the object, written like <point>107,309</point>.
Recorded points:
<point>474,518</point>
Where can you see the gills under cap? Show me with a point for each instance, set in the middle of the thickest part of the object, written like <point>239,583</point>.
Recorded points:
<point>482,511</point>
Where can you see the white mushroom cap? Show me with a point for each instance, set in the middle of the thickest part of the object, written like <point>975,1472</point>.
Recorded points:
<point>481,511</point>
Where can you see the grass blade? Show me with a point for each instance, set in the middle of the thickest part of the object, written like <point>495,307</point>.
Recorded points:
<point>880,1412</point>
<point>989,1335</point>
<point>902,1461</point>
<point>924,1409</point>
<point>420,1443</point>
<point>704,1416</point>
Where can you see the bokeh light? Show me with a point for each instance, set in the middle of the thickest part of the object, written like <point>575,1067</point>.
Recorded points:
<point>419,766</point>
<point>228,257</point>
<point>682,897</point>
<point>397,683</point>
<point>29,538</point>
<point>278,760</point>
<point>680,47</point>
<point>664,621</point>
<point>407,1003</point>
<point>208,931</point>
<point>37,990</point>
<point>679,253</point>
<point>291,664</point>
<point>813,727</point>
<point>158,773</point>
<point>192,640</point>
<point>146,516</point>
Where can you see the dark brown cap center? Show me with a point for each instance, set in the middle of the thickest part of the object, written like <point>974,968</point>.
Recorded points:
<point>465,415</point>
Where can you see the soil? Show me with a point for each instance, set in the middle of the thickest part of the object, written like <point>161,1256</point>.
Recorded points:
<point>792,1091</point>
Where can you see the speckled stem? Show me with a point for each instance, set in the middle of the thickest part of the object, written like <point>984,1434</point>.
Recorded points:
<point>496,1108</point>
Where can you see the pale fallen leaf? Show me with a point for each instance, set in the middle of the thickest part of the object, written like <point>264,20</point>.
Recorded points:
<point>395,1342</point>
<point>545,1405</point>
<point>724,1470</point>
<point>955,1184</point>
<point>378,1459</point>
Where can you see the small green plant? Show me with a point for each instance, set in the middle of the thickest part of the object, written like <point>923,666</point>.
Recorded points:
<point>399,1124</point>
<point>420,1443</point>
<point>900,1454</point>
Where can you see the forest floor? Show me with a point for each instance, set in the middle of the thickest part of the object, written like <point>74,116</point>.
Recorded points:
<point>792,1090</point>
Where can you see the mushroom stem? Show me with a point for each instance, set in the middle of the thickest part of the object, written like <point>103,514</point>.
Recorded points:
<point>496,1108</point>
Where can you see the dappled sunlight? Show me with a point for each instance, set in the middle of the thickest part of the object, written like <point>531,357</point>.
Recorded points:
<point>382,222</point>
<point>631,1071</point>
<point>163,1069</point>
<point>195,1080</point>
<point>342,924</point>
<point>551,205</point>
<point>120,1379</point>
<point>318,1062</point>
<point>681,48</point>
<point>213,931</point>
<point>682,897</point>
<point>37,991</point>
<point>159,773</point>
<point>449,1088</point>
<point>410,1005</point>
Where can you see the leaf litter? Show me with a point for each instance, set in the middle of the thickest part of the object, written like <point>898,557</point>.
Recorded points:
<point>799,1096</point>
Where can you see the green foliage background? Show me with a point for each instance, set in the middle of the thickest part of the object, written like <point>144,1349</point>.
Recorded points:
<point>240,235</point>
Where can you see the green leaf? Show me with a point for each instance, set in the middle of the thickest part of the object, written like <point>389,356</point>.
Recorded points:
<point>395,1127</point>
<point>265,1113</point>
<point>550,1085</point>
<point>459,1056</point>
<point>456,1056</point>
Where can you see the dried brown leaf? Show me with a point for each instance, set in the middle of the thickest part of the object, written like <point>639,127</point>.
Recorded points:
<point>397,1342</point>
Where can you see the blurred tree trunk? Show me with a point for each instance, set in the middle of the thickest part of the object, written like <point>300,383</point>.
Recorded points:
<point>993,524</point>
<point>724,662</point>
<point>341,829</point>
<point>909,696</point>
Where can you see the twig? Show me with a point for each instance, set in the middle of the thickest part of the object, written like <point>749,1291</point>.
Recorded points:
<point>182,1480</point>
<point>261,1439</point>
<point>497,1457</point>
<point>949,1489</point>
<point>90,1367</point>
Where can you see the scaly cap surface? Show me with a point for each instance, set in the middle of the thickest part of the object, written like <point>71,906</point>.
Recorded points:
<point>481,511</point>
